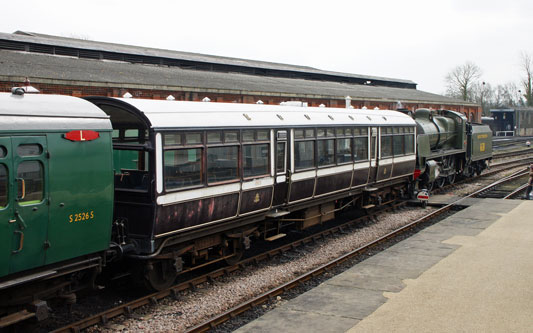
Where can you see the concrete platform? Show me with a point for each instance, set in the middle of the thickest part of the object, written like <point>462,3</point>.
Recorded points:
<point>472,272</point>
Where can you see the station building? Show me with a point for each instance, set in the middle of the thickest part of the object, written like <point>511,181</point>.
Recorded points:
<point>68,66</point>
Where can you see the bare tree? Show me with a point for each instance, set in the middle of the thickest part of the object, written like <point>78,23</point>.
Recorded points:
<point>461,79</point>
<point>527,66</point>
<point>506,95</point>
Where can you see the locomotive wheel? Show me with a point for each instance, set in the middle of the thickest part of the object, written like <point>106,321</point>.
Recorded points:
<point>440,182</point>
<point>160,275</point>
<point>451,178</point>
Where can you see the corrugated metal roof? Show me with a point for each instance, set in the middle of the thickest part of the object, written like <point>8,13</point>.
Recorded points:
<point>138,51</point>
<point>70,70</point>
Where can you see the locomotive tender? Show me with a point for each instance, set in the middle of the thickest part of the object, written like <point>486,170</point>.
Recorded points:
<point>169,186</point>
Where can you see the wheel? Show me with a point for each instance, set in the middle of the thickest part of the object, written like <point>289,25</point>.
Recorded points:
<point>159,275</point>
<point>451,178</point>
<point>440,182</point>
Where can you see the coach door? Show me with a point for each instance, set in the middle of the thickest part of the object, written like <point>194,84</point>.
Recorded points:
<point>29,200</point>
<point>6,206</point>
<point>373,151</point>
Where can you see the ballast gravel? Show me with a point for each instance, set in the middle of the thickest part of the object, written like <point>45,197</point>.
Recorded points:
<point>211,299</point>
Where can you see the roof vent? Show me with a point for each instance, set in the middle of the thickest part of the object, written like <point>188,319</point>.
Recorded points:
<point>246,116</point>
<point>376,108</point>
<point>330,117</point>
<point>350,117</point>
<point>259,102</point>
<point>127,95</point>
<point>364,108</point>
<point>171,98</point>
<point>279,116</point>
<point>307,116</point>
<point>206,99</point>
<point>348,100</point>
<point>17,91</point>
<point>321,106</point>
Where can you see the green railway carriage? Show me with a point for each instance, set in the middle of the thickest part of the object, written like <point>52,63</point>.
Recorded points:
<point>56,182</point>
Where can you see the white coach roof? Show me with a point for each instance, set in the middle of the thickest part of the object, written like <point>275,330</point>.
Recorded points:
<point>164,114</point>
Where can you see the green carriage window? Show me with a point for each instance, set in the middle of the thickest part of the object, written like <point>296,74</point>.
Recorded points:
<point>398,145</point>
<point>326,152</point>
<point>344,151</point>
<point>360,150</point>
<point>222,163</point>
<point>3,186</point>
<point>255,160</point>
<point>30,180</point>
<point>304,155</point>
<point>183,167</point>
<point>3,151</point>
<point>29,150</point>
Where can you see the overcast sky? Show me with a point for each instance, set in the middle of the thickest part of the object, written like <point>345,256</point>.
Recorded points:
<point>418,40</point>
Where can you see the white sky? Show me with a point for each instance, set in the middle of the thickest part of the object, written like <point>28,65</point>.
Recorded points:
<point>418,40</point>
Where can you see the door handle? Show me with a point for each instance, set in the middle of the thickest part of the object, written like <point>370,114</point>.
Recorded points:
<point>23,183</point>
<point>13,221</point>
<point>21,245</point>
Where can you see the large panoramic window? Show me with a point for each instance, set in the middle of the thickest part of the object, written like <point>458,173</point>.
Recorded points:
<point>222,163</point>
<point>255,160</point>
<point>304,155</point>
<point>183,168</point>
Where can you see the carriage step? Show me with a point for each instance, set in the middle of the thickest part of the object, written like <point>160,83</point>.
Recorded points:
<point>277,213</point>
<point>369,206</point>
<point>273,238</point>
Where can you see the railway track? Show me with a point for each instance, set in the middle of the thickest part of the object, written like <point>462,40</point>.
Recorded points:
<point>126,309</point>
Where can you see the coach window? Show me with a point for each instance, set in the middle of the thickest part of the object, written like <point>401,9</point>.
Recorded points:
<point>410,140</point>
<point>280,157</point>
<point>304,149</point>
<point>3,185</point>
<point>326,147</point>
<point>386,142</point>
<point>31,182</point>
<point>183,168</point>
<point>255,153</point>
<point>398,141</point>
<point>182,162</point>
<point>360,150</point>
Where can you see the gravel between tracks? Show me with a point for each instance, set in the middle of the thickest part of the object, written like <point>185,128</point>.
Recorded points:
<point>210,299</point>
